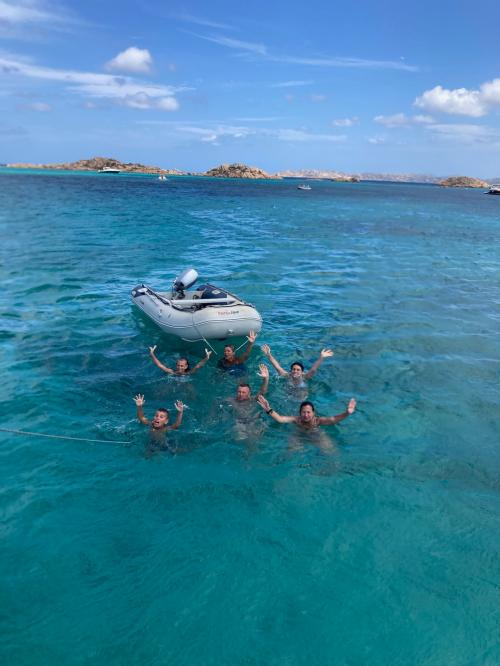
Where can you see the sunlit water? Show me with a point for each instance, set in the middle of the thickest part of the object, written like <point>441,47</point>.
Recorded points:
<point>378,545</point>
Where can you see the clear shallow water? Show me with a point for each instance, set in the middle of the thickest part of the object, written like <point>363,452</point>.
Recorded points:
<point>384,550</point>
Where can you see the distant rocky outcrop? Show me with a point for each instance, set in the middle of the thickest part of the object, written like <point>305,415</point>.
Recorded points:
<point>337,176</point>
<point>463,181</point>
<point>237,171</point>
<point>98,163</point>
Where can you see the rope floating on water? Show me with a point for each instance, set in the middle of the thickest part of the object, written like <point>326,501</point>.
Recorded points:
<point>77,439</point>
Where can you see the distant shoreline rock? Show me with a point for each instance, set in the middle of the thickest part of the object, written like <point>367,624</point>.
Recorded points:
<point>315,174</point>
<point>237,171</point>
<point>97,164</point>
<point>463,181</point>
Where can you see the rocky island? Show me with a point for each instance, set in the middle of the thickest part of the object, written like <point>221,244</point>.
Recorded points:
<point>97,164</point>
<point>463,181</point>
<point>336,176</point>
<point>237,171</point>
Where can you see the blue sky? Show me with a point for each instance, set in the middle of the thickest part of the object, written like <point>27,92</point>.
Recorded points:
<point>367,86</point>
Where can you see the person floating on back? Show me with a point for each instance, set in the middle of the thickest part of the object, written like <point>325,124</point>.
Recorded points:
<point>232,362</point>
<point>159,422</point>
<point>297,374</point>
<point>307,419</point>
<point>182,365</point>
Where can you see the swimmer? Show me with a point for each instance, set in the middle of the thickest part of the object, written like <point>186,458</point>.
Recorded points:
<point>297,375</point>
<point>245,409</point>
<point>182,365</point>
<point>233,362</point>
<point>244,393</point>
<point>307,419</point>
<point>159,422</point>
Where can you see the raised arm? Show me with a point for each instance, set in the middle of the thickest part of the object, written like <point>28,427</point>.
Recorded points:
<point>264,373</point>
<point>251,337</point>
<point>267,352</point>
<point>180,411</point>
<point>324,353</point>
<point>139,401</point>
<point>159,363</point>
<point>201,363</point>
<point>332,420</point>
<point>277,417</point>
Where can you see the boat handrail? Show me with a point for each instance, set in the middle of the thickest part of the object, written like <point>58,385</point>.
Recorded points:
<point>193,301</point>
<point>203,301</point>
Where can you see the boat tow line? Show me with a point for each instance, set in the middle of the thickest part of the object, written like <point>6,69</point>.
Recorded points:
<point>202,336</point>
<point>77,439</point>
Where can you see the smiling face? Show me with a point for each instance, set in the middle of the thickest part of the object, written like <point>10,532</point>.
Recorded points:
<point>160,419</point>
<point>243,393</point>
<point>307,413</point>
<point>229,353</point>
<point>296,371</point>
<point>182,365</point>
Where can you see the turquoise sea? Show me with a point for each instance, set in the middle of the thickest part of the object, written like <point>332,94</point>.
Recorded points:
<point>380,548</point>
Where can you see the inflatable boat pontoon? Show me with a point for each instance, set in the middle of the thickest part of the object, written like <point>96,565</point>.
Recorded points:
<point>204,313</point>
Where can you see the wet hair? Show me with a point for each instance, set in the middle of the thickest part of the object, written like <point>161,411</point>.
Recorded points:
<point>306,403</point>
<point>230,347</point>
<point>183,358</point>
<point>299,364</point>
<point>163,409</point>
<point>244,385</point>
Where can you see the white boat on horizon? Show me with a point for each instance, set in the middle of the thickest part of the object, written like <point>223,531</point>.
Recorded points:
<point>162,177</point>
<point>109,170</point>
<point>204,313</point>
<point>304,187</point>
<point>493,190</point>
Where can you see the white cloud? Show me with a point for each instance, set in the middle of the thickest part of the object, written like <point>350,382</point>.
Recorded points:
<point>22,12</point>
<point>215,133</point>
<point>459,101</point>
<point>137,61</point>
<point>345,122</point>
<point>261,49</point>
<point>490,92</point>
<point>189,18</point>
<point>125,90</point>
<point>466,133</point>
<point>291,84</point>
<point>376,140</point>
<point>402,120</point>
<point>318,98</point>
<point>334,61</point>
<point>22,19</point>
<point>301,136</point>
<point>168,104</point>
<point>38,106</point>
<point>253,47</point>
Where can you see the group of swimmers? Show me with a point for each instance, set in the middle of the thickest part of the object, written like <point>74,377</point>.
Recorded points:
<point>297,376</point>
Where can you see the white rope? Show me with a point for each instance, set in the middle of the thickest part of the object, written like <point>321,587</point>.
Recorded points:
<point>77,439</point>
<point>202,337</point>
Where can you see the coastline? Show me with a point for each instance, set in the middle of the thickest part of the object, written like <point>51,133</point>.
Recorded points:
<point>242,171</point>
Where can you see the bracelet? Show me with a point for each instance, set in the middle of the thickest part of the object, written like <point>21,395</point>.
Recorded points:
<point>270,410</point>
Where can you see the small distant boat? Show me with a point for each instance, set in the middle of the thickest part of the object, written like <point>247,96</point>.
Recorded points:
<point>204,313</point>
<point>162,177</point>
<point>493,190</point>
<point>304,187</point>
<point>109,170</point>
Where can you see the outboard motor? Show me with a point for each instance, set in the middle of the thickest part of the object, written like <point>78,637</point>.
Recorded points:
<point>183,281</point>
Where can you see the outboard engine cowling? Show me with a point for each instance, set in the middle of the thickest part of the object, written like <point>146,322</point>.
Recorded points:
<point>185,280</point>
